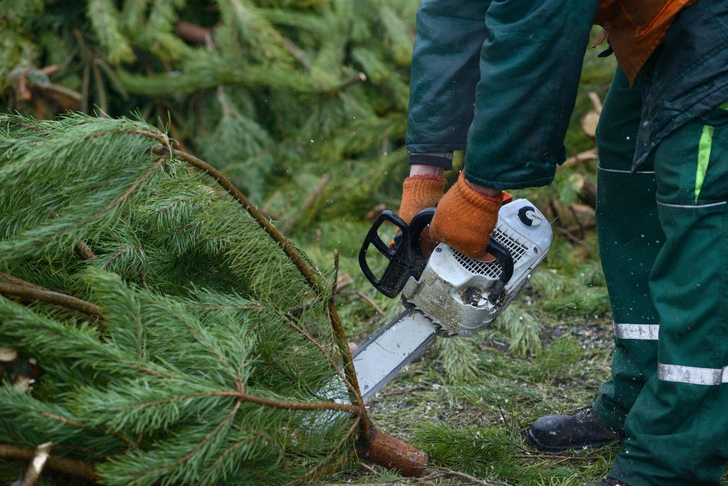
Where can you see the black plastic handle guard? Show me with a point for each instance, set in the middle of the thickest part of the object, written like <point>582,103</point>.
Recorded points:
<point>405,260</point>
<point>504,257</point>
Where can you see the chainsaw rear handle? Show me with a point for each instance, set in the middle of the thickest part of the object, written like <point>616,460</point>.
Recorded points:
<point>405,259</point>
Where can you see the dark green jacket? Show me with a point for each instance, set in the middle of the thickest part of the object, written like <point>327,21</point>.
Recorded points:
<point>523,58</point>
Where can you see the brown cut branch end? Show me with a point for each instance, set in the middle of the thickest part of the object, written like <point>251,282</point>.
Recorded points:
<point>387,451</point>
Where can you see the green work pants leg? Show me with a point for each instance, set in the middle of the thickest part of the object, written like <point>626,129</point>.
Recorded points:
<point>629,238</point>
<point>677,429</point>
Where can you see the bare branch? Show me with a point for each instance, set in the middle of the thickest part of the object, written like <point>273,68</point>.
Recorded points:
<point>60,464</point>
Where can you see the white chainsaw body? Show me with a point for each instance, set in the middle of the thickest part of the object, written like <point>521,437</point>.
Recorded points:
<point>453,289</point>
<point>451,297</point>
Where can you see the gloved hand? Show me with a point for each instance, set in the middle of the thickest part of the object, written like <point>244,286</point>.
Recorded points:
<point>420,192</point>
<point>465,218</point>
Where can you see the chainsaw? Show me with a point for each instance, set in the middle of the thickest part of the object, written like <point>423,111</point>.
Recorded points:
<point>447,294</point>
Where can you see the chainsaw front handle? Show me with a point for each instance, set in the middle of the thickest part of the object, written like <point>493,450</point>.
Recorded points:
<point>405,259</point>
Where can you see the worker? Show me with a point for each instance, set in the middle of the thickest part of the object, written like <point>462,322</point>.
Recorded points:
<point>498,79</point>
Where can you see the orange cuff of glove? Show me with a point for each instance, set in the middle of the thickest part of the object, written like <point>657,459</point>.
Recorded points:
<point>465,219</point>
<point>418,193</point>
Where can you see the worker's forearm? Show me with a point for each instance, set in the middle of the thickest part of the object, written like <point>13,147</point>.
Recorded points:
<point>422,169</point>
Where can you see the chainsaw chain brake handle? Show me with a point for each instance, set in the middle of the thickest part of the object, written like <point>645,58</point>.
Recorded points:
<point>405,259</point>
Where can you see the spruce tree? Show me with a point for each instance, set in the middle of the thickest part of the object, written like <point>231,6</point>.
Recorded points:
<point>181,339</point>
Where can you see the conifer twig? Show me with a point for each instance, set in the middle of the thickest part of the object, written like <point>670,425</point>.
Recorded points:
<point>247,397</point>
<point>50,297</point>
<point>357,78</point>
<point>308,275</point>
<point>307,203</point>
<point>323,352</point>
<point>60,464</point>
<point>80,425</point>
<point>288,249</point>
<point>348,361</point>
<point>364,296</point>
<point>199,446</point>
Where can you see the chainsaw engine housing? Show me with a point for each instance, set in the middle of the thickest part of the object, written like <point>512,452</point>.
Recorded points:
<point>453,289</point>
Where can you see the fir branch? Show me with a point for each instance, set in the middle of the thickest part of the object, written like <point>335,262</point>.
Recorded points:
<point>231,449</point>
<point>197,448</point>
<point>80,425</point>
<point>340,339</point>
<point>288,249</point>
<point>247,397</point>
<point>335,90</point>
<point>117,255</point>
<point>205,342</point>
<point>103,15</point>
<point>60,464</point>
<point>307,203</point>
<point>301,330</point>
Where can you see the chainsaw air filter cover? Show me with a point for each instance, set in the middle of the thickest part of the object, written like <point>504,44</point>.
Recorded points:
<point>454,289</point>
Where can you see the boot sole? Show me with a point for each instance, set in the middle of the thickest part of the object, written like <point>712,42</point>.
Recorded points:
<point>548,448</point>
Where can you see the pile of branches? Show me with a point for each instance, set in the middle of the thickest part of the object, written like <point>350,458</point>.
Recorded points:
<point>263,88</point>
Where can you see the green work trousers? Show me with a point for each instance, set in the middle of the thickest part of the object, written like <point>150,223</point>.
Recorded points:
<point>663,236</point>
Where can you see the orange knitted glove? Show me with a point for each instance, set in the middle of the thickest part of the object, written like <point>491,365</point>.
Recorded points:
<point>420,192</point>
<point>465,219</point>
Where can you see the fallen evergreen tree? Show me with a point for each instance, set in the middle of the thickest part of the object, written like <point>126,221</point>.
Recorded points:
<point>181,339</point>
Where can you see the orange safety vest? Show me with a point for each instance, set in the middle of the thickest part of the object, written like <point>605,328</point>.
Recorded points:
<point>636,27</point>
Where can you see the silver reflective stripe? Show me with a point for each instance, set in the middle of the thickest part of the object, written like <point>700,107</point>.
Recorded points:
<point>645,332</point>
<point>626,171</point>
<point>692,206</point>
<point>692,375</point>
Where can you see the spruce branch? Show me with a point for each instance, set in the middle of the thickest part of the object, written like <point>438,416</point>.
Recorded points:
<point>225,421</point>
<point>301,330</point>
<point>307,203</point>
<point>232,449</point>
<point>348,361</point>
<point>335,90</point>
<point>247,397</point>
<point>80,425</point>
<point>311,279</point>
<point>117,202</point>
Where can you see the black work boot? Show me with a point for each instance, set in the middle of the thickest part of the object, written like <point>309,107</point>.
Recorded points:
<point>556,433</point>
